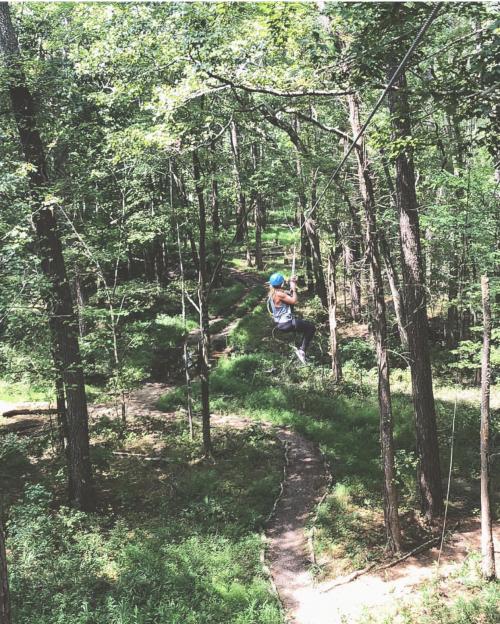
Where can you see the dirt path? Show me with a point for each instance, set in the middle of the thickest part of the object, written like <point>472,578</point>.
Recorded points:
<point>288,550</point>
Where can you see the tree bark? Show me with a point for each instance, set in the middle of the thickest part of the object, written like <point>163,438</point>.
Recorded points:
<point>416,306</point>
<point>379,325</point>
<point>306,254</point>
<point>317,262</point>
<point>258,212</point>
<point>215,205</point>
<point>203,311</point>
<point>312,234</point>
<point>305,243</point>
<point>58,292</point>
<point>332,317</point>
<point>394,285</point>
<point>4,582</point>
<point>352,256</point>
<point>241,215</point>
<point>487,547</point>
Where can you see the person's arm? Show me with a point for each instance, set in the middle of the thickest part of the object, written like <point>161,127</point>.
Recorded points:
<point>290,299</point>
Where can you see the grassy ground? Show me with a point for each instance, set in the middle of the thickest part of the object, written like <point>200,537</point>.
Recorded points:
<point>12,392</point>
<point>177,541</point>
<point>173,541</point>
<point>461,598</point>
<point>263,382</point>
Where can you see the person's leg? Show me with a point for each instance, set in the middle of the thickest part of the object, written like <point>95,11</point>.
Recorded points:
<point>307,329</point>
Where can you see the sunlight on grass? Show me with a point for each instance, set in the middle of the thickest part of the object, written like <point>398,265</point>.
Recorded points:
<point>186,546</point>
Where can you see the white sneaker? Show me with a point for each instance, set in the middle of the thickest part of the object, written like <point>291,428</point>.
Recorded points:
<point>300,354</point>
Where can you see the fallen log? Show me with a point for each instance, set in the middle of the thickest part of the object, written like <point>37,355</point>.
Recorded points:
<point>141,456</point>
<point>28,412</point>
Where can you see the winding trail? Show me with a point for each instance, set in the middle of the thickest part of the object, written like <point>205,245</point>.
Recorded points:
<point>288,548</point>
<point>288,552</point>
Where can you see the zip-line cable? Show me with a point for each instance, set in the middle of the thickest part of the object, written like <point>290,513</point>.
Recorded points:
<point>395,76</point>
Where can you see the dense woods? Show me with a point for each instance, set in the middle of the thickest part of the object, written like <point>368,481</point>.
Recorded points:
<point>158,163</point>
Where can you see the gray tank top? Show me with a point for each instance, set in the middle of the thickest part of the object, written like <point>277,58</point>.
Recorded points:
<point>281,314</point>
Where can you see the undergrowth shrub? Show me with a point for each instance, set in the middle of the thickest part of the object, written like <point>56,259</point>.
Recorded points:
<point>193,557</point>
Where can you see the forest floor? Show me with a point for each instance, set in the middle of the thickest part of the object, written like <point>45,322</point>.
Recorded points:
<point>288,546</point>
<point>289,550</point>
<point>288,543</point>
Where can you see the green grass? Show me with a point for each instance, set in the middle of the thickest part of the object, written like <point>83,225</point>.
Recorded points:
<point>462,598</point>
<point>224,298</point>
<point>279,235</point>
<point>176,541</point>
<point>13,392</point>
<point>344,422</point>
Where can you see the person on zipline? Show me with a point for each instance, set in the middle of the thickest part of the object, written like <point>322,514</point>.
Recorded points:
<point>280,304</point>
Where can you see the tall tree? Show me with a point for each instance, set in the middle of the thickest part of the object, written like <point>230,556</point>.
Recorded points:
<point>332,315</point>
<point>203,309</point>
<point>487,547</point>
<point>258,208</point>
<point>58,293</point>
<point>415,303</point>
<point>379,324</point>
<point>241,214</point>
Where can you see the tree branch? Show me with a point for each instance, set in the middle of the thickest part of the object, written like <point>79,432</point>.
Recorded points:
<point>276,92</point>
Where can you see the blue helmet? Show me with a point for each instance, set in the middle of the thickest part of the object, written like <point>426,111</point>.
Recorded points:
<point>277,279</point>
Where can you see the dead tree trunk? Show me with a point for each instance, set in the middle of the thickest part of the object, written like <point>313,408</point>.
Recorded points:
<point>416,306</point>
<point>379,324</point>
<point>58,293</point>
<point>4,582</point>
<point>203,311</point>
<point>487,547</point>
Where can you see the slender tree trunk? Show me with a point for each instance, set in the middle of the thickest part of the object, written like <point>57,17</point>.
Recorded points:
<point>306,254</point>
<point>241,216</point>
<point>379,325</point>
<point>416,306</point>
<point>487,547</point>
<point>394,285</point>
<point>4,582</point>
<point>215,204</point>
<point>390,266</point>
<point>203,311</point>
<point>317,263</point>
<point>305,243</point>
<point>258,212</point>
<point>58,295</point>
<point>332,317</point>
<point>352,256</point>
<point>80,304</point>
<point>62,419</point>
<point>312,234</point>
<point>185,350</point>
